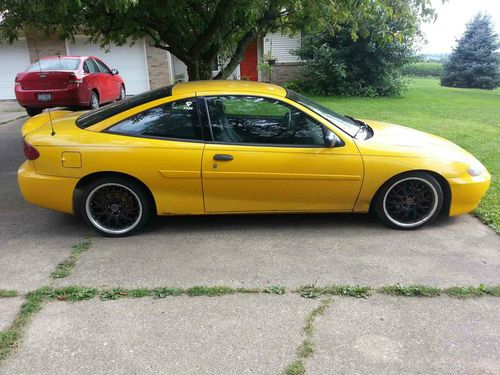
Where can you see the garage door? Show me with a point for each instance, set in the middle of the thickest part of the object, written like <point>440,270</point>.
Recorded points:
<point>14,58</point>
<point>129,60</point>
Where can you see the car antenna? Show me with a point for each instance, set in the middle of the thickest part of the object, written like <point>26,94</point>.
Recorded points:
<point>52,133</point>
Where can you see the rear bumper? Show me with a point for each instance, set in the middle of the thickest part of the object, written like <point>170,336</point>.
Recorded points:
<point>55,193</point>
<point>73,96</point>
<point>467,192</point>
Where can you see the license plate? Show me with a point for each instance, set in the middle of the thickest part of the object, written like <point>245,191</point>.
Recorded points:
<point>44,97</point>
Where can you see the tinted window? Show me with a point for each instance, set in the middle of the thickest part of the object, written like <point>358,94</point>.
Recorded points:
<point>54,64</point>
<point>250,119</point>
<point>103,68</point>
<point>344,123</point>
<point>93,117</point>
<point>91,65</point>
<point>177,119</point>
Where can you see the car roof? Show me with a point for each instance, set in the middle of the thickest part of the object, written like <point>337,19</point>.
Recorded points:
<point>63,57</point>
<point>228,86</point>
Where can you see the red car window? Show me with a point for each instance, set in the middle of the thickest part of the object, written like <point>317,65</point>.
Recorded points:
<point>102,67</point>
<point>92,66</point>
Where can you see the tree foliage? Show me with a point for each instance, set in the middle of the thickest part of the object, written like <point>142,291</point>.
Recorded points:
<point>367,64</point>
<point>199,31</point>
<point>473,63</point>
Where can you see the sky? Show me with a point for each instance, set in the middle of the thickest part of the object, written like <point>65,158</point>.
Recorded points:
<point>451,21</point>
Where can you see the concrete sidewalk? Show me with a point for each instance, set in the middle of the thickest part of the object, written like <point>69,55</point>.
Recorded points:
<point>293,250</point>
<point>390,335</point>
<point>10,111</point>
<point>250,334</point>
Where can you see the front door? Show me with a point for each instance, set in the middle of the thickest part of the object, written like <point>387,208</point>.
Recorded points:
<point>270,156</point>
<point>248,66</point>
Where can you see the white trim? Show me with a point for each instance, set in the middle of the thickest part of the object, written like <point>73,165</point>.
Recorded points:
<point>260,48</point>
<point>66,46</point>
<point>146,58</point>
<point>170,67</point>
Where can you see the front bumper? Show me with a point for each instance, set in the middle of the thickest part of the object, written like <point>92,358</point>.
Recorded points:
<point>55,193</point>
<point>467,192</point>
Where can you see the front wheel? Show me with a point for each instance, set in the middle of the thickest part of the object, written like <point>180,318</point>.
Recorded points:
<point>409,201</point>
<point>123,93</point>
<point>115,206</point>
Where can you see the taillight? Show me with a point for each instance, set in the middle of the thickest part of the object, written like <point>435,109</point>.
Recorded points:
<point>30,152</point>
<point>74,79</point>
<point>16,82</point>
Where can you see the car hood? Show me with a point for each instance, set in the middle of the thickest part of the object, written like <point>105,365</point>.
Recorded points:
<point>396,140</point>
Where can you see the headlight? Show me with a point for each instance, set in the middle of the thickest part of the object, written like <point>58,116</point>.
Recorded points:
<point>475,169</point>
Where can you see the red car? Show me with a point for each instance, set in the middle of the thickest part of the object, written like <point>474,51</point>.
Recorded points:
<point>67,81</point>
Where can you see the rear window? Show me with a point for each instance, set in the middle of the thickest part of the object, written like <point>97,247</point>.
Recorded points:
<point>54,64</point>
<point>101,114</point>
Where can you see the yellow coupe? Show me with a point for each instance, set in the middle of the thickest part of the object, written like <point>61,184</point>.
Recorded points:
<point>221,147</point>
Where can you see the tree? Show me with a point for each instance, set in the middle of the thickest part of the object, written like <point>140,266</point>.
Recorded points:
<point>338,65</point>
<point>195,31</point>
<point>472,63</point>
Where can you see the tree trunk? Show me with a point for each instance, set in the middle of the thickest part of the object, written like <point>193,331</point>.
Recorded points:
<point>193,70</point>
<point>199,70</point>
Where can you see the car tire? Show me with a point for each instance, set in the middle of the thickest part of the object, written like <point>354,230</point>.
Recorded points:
<point>94,100</point>
<point>409,201</point>
<point>115,206</point>
<point>123,93</point>
<point>33,111</point>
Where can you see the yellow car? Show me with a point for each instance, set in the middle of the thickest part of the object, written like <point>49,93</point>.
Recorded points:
<point>218,147</point>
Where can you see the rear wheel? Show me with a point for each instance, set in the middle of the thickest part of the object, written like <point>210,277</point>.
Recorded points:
<point>115,206</point>
<point>94,100</point>
<point>33,111</point>
<point>409,201</point>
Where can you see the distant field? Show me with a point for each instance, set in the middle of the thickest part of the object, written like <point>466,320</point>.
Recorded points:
<point>423,69</point>
<point>468,117</point>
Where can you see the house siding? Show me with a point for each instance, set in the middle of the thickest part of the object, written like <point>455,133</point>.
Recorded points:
<point>280,47</point>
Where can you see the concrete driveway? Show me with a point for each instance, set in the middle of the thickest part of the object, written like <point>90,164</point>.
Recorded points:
<point>254,333</point>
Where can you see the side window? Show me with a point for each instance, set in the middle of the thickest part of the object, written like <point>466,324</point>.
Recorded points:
<point>178,119</point>
<point>92,66</point>
<point>251,119</point>
<point>86,67</point>
<point>102,67</point>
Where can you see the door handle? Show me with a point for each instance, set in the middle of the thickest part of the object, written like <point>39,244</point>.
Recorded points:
<point>223,157</point>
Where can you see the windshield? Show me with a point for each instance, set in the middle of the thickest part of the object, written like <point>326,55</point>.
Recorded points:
<point>347,125</point>
<point>54,64</point>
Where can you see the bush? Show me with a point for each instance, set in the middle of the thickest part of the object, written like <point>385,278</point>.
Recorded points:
<point>335,64</point>
<point>423,69</point>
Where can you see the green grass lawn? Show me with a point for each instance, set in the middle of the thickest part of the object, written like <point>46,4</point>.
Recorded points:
<point>467,117</point>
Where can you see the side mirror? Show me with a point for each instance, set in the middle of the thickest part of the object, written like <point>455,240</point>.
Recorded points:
<point>114,72</point>
<point>332,139</point>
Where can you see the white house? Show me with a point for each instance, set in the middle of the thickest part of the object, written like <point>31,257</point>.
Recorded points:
<point>142,66</point>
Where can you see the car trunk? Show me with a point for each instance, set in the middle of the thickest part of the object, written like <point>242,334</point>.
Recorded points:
<point>46,80</point>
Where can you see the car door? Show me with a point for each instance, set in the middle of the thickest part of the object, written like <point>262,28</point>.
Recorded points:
<point>107,82</point>
<point>92,77</point>
<point>269,155</point>
<point>161,146</point>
